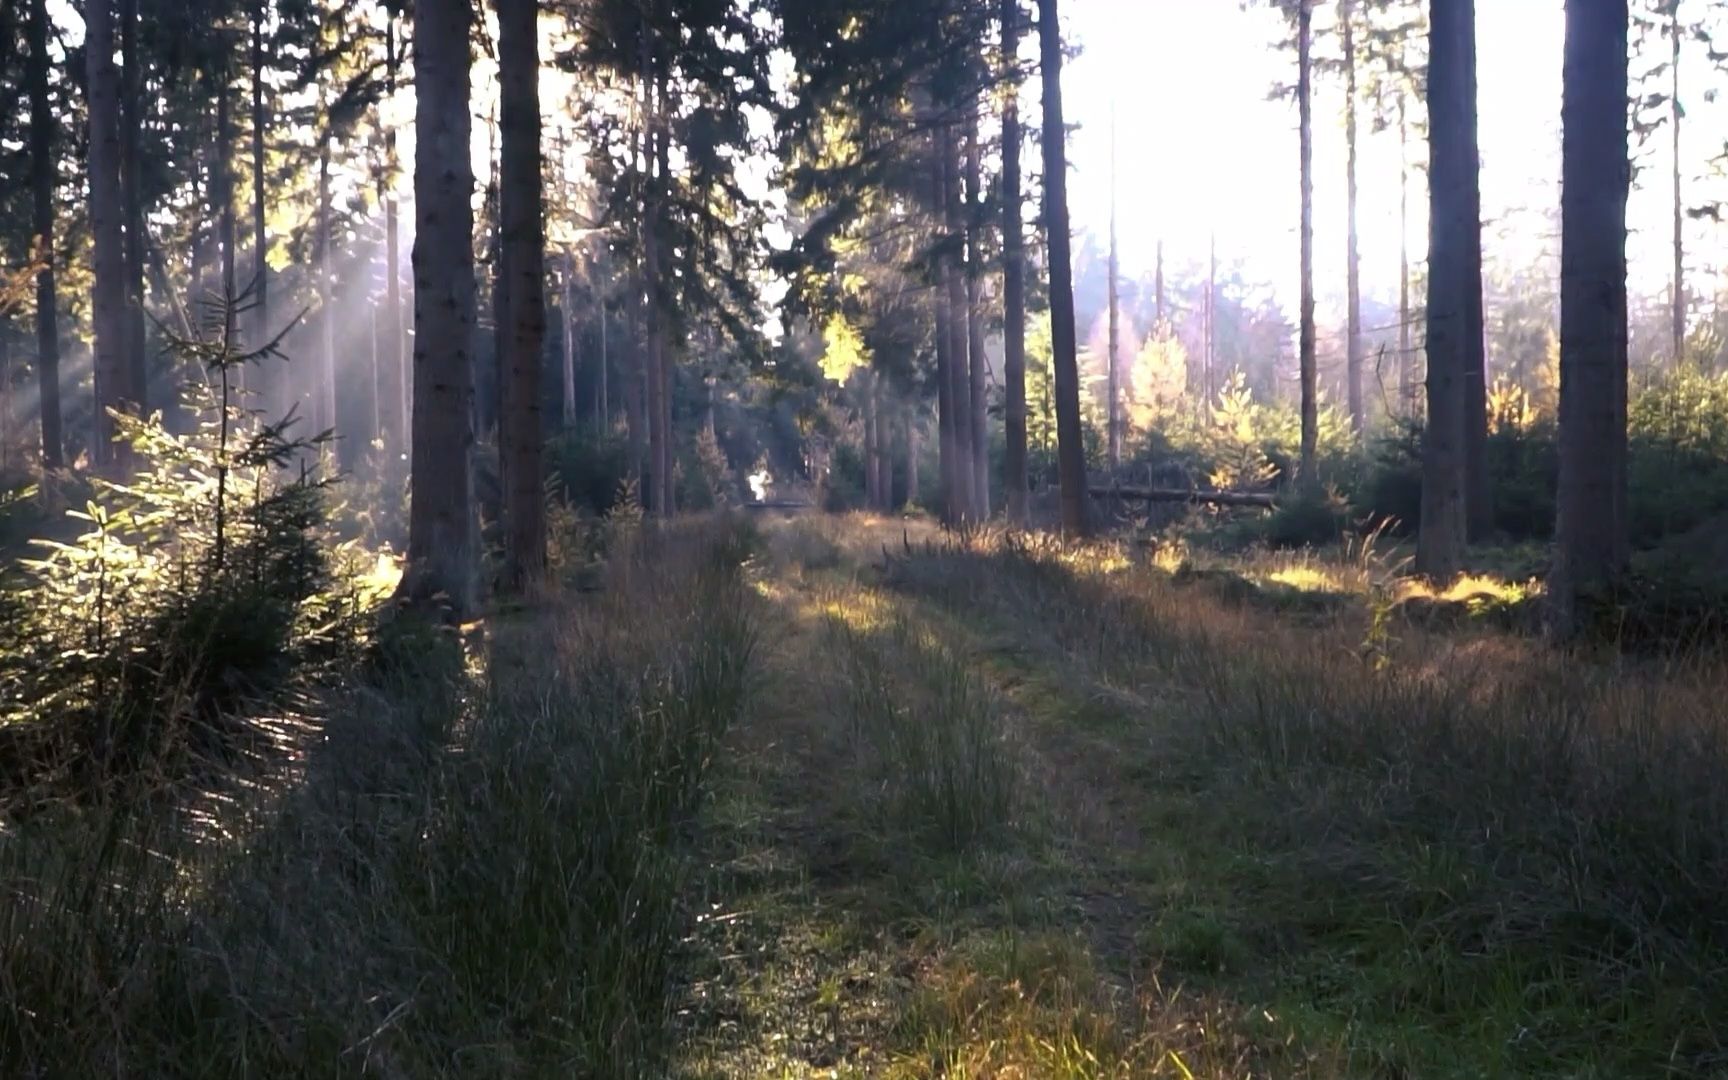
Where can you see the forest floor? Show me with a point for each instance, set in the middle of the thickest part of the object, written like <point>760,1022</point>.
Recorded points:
<point>1010,810</point>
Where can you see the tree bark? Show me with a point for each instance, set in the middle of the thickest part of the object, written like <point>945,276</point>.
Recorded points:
<point>222,194</point>
<point>665,352</point>
<point>654,311</point>
<point>1353,255</point>
<point>1591,545</point>
<point>1452,173</point>
<point>1406,353</point>
<point>42,176</point>
<point>131,190</point>
<point>113,376</point>
<point>946,405</point>
<point>1478,495</point>
<point>1015,481</point>
<point>441,550</point>
<point>965,469</point>
<point>1676,114</point>
<point>980,361</point>
<point>911,456</point>
<point>324,404</point>
<point>265,378</point>
<point>1309,467</point>
<point>1071,452</point>
<point>396,368</point>
<point>1112,361</point>
<point>567,338</point>
<point>524,253</point>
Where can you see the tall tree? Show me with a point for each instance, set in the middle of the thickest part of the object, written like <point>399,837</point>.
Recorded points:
<point>1308,360</point>
<point>1353,255</point>
<point>524,247</point>
<point>1070,453</point>
<point>441,552</point>
<point>1591,548</point>
<point>1478,509</point>
<point>43,171</point>
<point>1113,361</point>
<point>959,323</point>
<point>1452,176</point>
<point>131,114</point>
<point>114,388</point>
<point>1675,114</point>
<point>1013,274</point>
<point>978,388</point>
<point>260,288</point>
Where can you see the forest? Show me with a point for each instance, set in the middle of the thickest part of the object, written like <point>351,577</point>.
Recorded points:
<point>863,538</point>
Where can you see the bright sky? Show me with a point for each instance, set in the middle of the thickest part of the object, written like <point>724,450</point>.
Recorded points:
<point>1201,147</point>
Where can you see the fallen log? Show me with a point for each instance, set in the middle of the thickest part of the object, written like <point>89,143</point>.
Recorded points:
<point>1151,494</point>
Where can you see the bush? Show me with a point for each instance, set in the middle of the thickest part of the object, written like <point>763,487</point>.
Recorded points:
<point>199,589</point>
<point>590,467</point>
<point>1309,518</point>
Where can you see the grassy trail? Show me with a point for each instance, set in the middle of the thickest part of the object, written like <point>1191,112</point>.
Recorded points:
<point>979,828</point>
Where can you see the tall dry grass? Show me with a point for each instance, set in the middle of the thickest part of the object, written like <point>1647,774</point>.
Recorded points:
<point>475,869</point>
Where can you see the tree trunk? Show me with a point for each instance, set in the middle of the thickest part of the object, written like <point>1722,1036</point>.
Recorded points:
<point>1309,467</point>
<point>965,471</point>
<point>911,456</point>
<point>1674,117</point>
<point>1591,532</point>
<point>524,253</point>
<point>664,353</point>
<point>222,195</point>
<point>264,378</point>
<point>1112,361</point>
<point>655,311</point>
<point>113,376</point>
<point>567,337</point>
<point>131,191</point>
<point>1209,357</point>
<point>1071,452</point>
<point>1478,508</point>
<point>1353,260</point>
<point>396,367</point>
<point>1013,283</point>
<point>1452,173</point>
<point>1158,283</point>
<point>324,403</point>
<point>946,405</point>
<point>441,549</point>
<point>42,176</point>
<point>1406,353</point>
<point>980,361</point>
<point>866,388</point>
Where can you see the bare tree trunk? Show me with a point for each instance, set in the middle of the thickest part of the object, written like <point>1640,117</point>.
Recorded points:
<point>114,388</point>
<point>1158,283</point>
<point>1478,507</point>
<point>324,407</point>
<point>1675,114</point>
<point>1353,260</point>
<point>965,471</point>
<point>665,352</point>
<point>441,549</point>
<point>1071,452</point>
<point>980,361</point>
<point>42,175</point>
<point>131,190</point>
<point>911,455</point>
<point>603,400</point>
<point>1452,173</point>
<point>866,388</point>
<point>657,433</point>
<point>567,319</point>
<point>946,404</point>
<point>222,192</point>
<point>1406,353</point>
<point>1309,466</point>
<point>264,378</point>
<point>1013,285</point>
<point>524,253</point>
<point>1112,361</point>
<point>396,367</point>
<point>1591,549</point>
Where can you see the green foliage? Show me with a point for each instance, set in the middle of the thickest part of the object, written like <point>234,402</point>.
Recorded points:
<point>199,587</point>
<point>1309,517</point>
<point>1243,443</point>
<point>589,466</point>
<point>845,487</point>
<point>1677,474</point>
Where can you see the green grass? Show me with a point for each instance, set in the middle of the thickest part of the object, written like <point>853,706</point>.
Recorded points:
<point>476,871</point>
